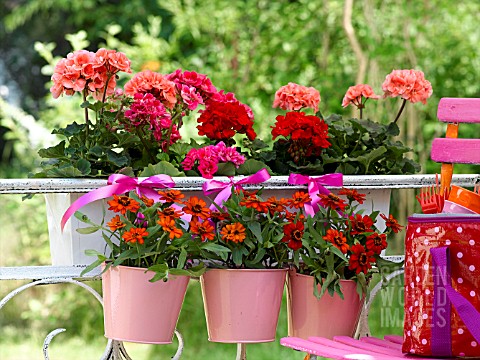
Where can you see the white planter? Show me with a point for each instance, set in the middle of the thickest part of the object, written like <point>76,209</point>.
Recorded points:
<point>68,247</point>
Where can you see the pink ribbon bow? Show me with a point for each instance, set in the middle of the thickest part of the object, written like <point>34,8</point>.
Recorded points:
<point>224,188</point>
<point>120,184</point>
<point>315,187</point>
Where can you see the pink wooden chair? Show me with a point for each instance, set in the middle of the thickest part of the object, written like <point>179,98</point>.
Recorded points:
<point>448,150</point>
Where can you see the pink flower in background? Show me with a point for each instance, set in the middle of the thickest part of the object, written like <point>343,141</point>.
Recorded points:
<point>356,94</point>
<point>296,97</point>
<point>209,156</point>
<point>154,83</point>
<point>410,85</point>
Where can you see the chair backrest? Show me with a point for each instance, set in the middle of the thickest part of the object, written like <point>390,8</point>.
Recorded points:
<point>451,149</point>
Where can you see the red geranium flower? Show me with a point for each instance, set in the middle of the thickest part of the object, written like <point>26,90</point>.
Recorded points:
<point>222,120</point>
<point>361,260</point>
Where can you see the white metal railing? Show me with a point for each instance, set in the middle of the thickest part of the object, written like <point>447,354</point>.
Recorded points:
<point>71,274</point>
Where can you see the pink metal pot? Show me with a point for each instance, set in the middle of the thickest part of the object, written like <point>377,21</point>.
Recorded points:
<point>136,310</point>
<point>325,317</point>
<point>242,305</point>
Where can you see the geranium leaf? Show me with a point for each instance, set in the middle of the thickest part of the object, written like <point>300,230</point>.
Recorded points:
<point>117,159</point>
<point>225,169</point>
<point>162,167</point>
<point>251,166</point>
<point>54,152</point>
<point>83,166</point>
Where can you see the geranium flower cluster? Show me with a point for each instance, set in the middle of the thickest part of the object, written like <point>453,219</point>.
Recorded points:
<point>410,85</point>
<point>208,157</point>
<point>295,97</point>
<point>88,72</point>
<point>306,134</point>
<point>222,120</point>
<point>147,112</point>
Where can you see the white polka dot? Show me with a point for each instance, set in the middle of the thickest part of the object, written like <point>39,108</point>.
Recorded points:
<point>427,292</point>
<point>412,285</point>
<point>409,333</point>
<point>447,242</point>
<point>460,280</point>
<point>473,343</point>
<point>460,331</point>
<point>410,260</point>
<point>426,242</point>
<point>412,351</point>
<point>410,308</point>
<point>461,354</point>
<point>472,293</point>
<point>459,255</point>
<point>425,267</point>
<point>414,328</point>
<point>418,230</point>
<point>471,268</point>
<point>424,341</point>
<point>459,229</point>
<point>417,278</point>
<point>472,242</point>
<point>416,302</point>
<point>425,316</point>
<point>415,254</point>
<point>437,229</point>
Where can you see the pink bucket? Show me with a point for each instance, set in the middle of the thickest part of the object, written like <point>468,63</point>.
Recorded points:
<point>242,305</point>
<point>325,317</point>
<point>136,310</point>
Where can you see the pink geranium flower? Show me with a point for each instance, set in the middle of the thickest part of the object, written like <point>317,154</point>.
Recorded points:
<point>296,97</point>
<point>410,85</point>
<point>154,83</point>
<point>358,94</point>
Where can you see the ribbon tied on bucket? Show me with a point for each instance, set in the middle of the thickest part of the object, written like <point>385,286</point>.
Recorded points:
<point>120,184</point>
<point>224,189</point>
<point>316,185</point>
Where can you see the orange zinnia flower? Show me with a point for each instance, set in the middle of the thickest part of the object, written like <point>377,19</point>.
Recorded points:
<point>299,199</point>
<point>274,205</point>
<point>122,204</point>
<point>352,195</point>
<point>361,224</point>
<point>332,201</point>
<point>169,212</point>
<point>115,223</point>
<point>168,225</point>
<point>233,232</point>
<point>203,229</point>
<point>197,207</point>
<point>135,235</point>
<point>253,202</point>
<point>361,260</point>
<point>392,223</point>
<point>171,195</point>
<point>337,239</point>
<point>293,234</point>
<point>376,242</point>
<point>217,216</point>
<point>148,202</point>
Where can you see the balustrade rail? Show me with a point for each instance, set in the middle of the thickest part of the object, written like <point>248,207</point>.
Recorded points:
<point>44,275</point>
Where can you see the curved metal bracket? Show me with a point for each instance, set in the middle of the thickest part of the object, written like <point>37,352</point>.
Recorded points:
<point>114,349</point>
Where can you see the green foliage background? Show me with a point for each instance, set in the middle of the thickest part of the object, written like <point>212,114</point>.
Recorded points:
<point>250,47</point>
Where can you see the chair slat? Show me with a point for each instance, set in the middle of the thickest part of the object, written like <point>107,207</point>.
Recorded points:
<point>466,151</point>
<point>397,339</point>
<point>464,110</point>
